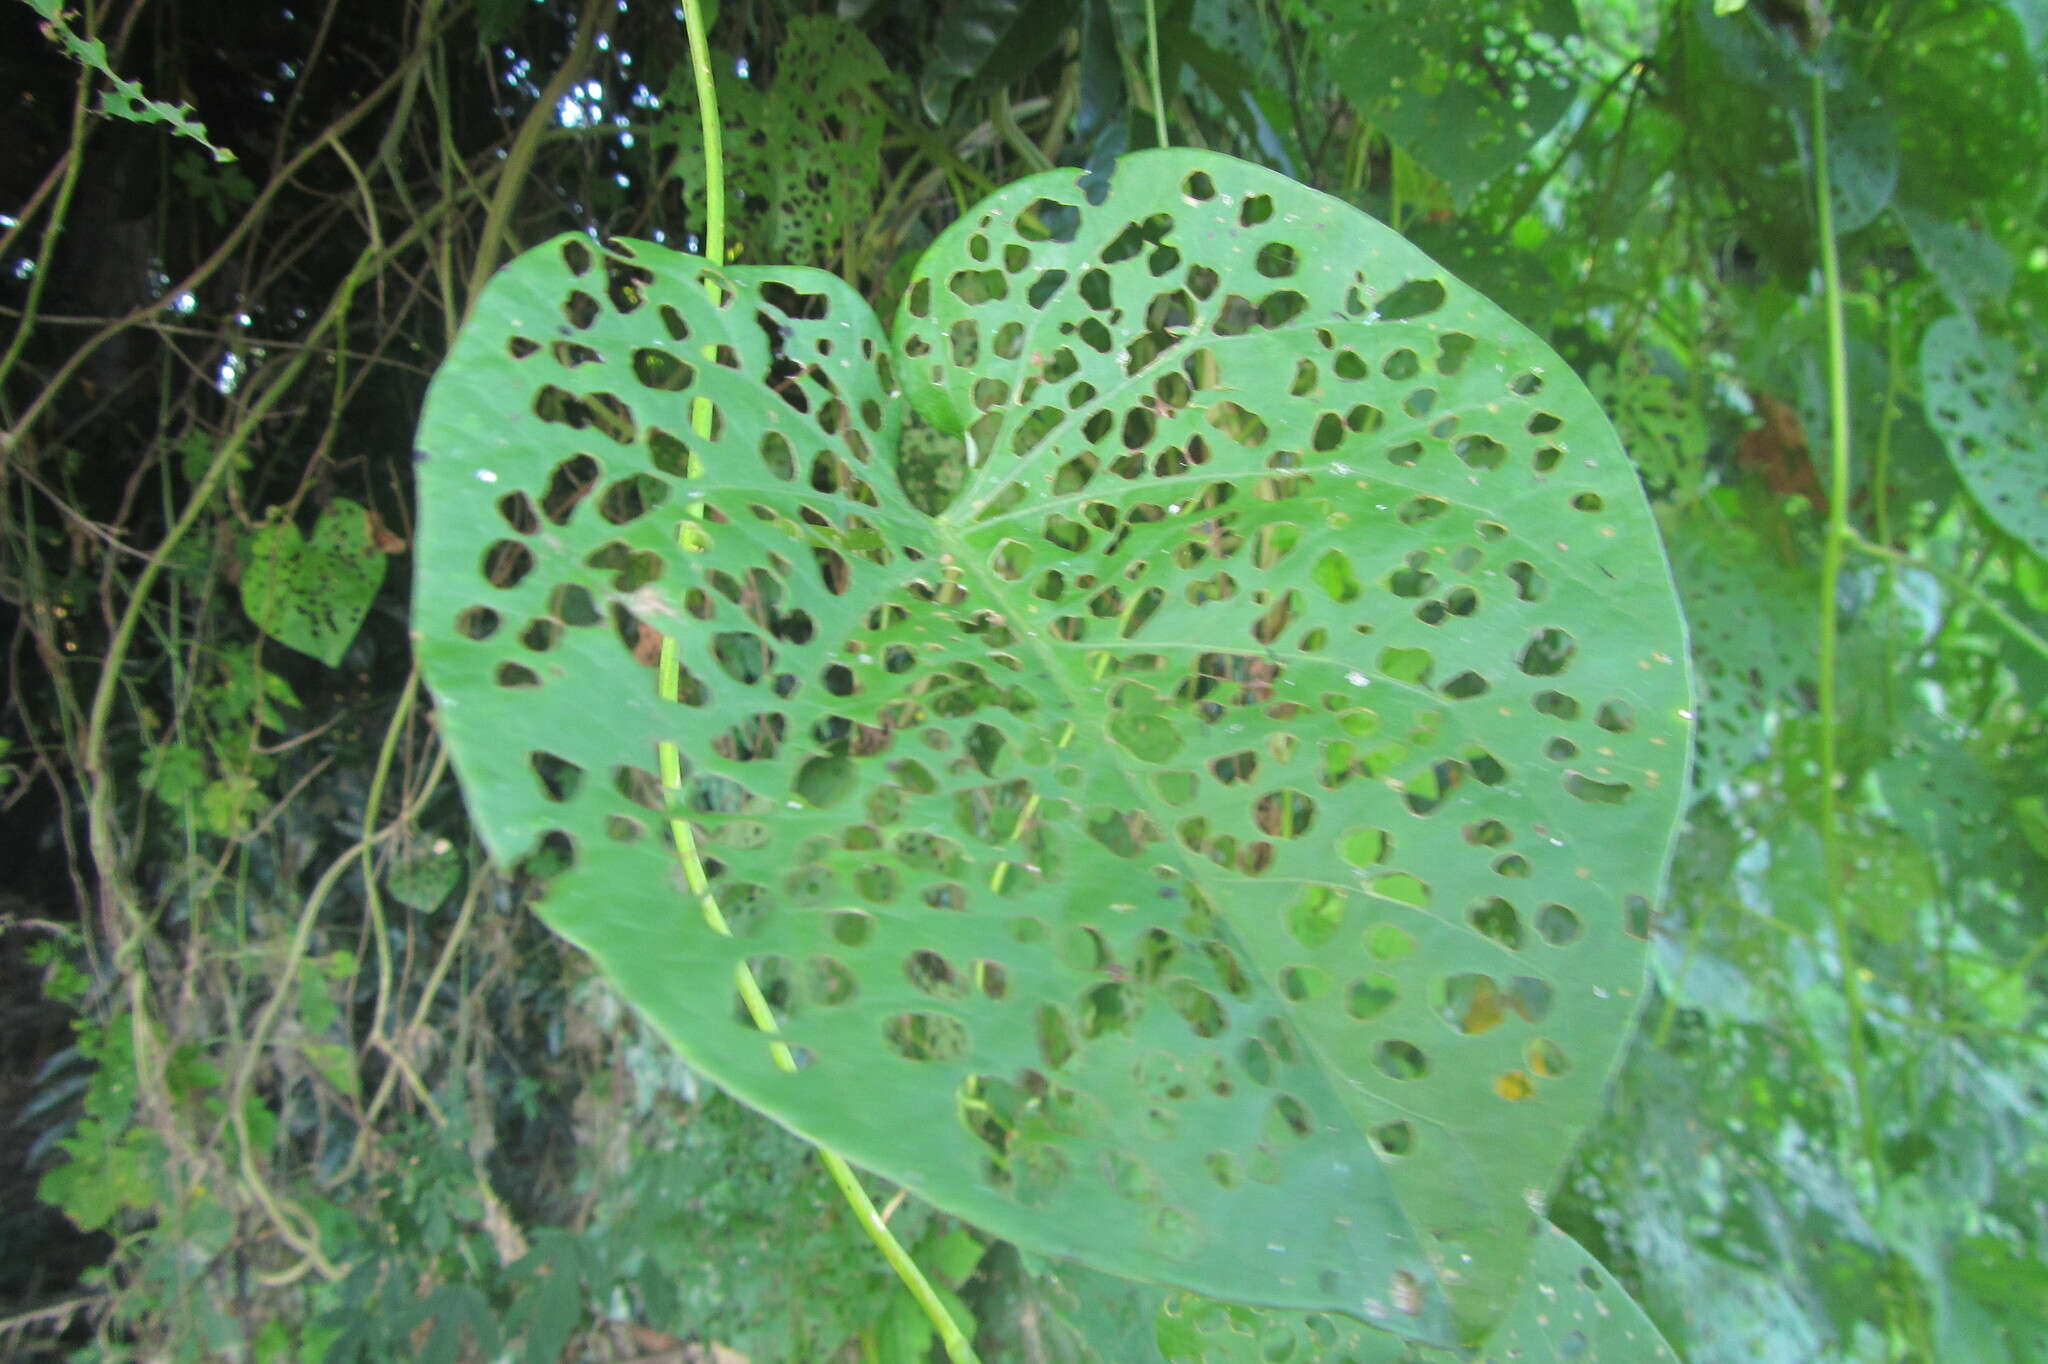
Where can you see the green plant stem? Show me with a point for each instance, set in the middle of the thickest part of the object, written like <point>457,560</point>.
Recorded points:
<point>1956,582</point>
<point>1005,119</point>
<point>46,260</point>
<point>958,1348</point>
<point>307,1243</point>
<point>714,143</point>
<point>669,685</point>
<point>519,159</point>
<point>1152,70</point>
<point>252,215</point>
<point>1533,189</point>
<point>1839,537</point>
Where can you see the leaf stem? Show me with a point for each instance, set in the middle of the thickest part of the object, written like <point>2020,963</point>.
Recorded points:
<point>714,145</point>
<point>525,145</point>
<point>669,684</point>
<point>1839,538</point>
<point>1152,63</point>
<point>1958,583</point>
<point>958,1348</point>
<point>1005,119</point>
<point>46,259</point>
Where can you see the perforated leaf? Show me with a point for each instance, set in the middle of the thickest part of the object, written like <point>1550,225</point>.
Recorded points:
<point>1751,618</point>
<point>313,594</point>
<point>1215,845</point>
<point>1995,430</point>
<point>1465,89</point>
<point>802,153</point>
<point>1663,429</point>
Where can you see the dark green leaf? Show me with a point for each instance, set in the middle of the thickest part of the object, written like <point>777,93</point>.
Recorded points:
<point>1465,89</point>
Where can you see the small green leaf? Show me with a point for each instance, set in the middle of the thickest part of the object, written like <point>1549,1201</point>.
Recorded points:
<point>227,805</point>
<point>424,879</point>
<point>334,1063</point>
<point>951,1255</point>
<point>1965,260</point>
<point>313,594</point>
<point>174,772</point>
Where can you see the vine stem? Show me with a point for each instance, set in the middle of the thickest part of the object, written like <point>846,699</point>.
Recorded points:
<point>1839,539</point>
<point>669,684</point>
<point>1152,60</point>
<point>525,145</point>
<point>714,142</point>
<point>46,259</point>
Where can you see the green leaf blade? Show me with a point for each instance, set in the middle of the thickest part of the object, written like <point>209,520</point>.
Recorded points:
<point>1211,861</point>
<point>313,594</point>
<point>1989,424</point>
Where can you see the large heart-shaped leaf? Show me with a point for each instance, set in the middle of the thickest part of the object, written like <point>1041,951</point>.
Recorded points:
<point>1217,845</point>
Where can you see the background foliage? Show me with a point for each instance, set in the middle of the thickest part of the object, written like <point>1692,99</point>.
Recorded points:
<point>296,1076</point>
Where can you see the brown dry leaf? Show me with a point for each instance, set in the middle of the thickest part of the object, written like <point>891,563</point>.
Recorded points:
<point>1777,452</point>
<point>382,538</point>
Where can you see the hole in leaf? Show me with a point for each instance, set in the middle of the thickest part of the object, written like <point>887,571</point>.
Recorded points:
<point>1616,717</point>
<point>1498,920</point>
<point>477,622</point>
<point>631,498</point>
<point>1277,260</point>
<point>1597,792</point>
<point>1557,925</point>
<point>580,309</point>
<point>1473,1003</point>
<point>1201,1010</point>
<point>559,778</point>
<point>1530,997</point>
<point>1055,1036</point>
<point>1414,299</point>
<point>1394,1138</point>
<point>1547,654</point>
<point>925,1037</point>
<point>1401,1060</point>
<point>934,975</point>
<point>827,981</point>
<point>659,370</point>
<point>568,485</point>
<point>517,509</point>
<point>506,563</point>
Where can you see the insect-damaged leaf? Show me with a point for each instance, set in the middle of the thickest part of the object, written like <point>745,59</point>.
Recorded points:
<point>1215,843</point>
<point>313,594</point>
